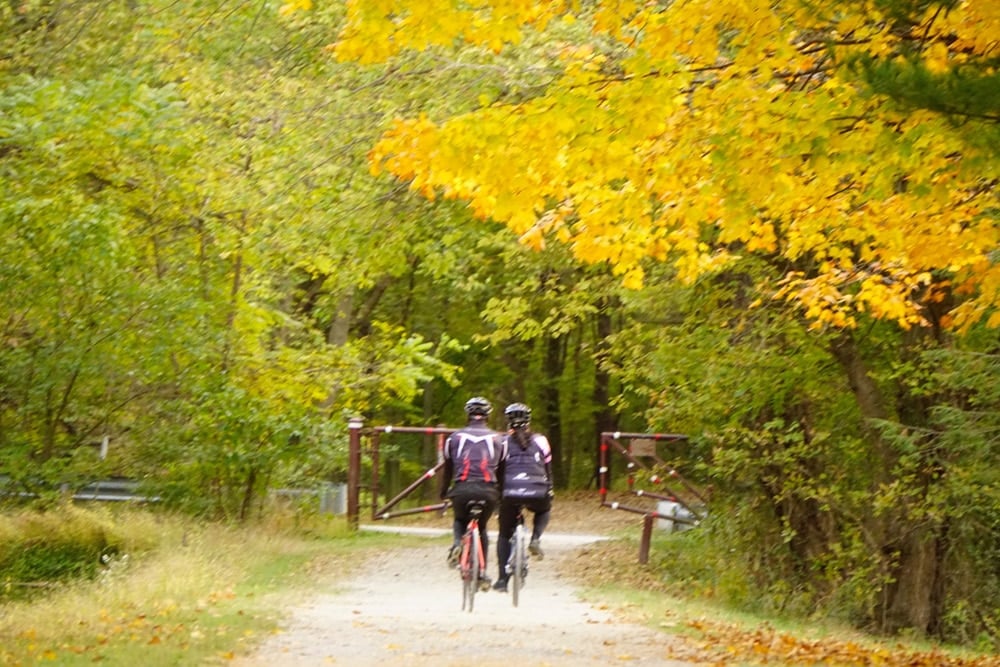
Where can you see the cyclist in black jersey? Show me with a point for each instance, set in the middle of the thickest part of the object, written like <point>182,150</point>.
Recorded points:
<point>527,484</point>
<point>474,457</point>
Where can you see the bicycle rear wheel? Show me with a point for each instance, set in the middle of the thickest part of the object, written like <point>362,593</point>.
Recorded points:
<point>464,570</point>
<point>475,564</point>
<point>518,557</point>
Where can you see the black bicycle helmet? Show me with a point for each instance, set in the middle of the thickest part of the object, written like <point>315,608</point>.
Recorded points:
<point>518,415</point>
<point>477,405</point>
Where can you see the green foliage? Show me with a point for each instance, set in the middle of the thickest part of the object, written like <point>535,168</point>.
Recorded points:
<point>59,545</point>
<point>956,449</point>
<point>965,91</point>
<point>177,215</point>
<point>816,494</point>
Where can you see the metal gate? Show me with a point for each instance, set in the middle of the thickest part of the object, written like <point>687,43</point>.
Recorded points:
<point>646,466</point>
<point>367,441</point>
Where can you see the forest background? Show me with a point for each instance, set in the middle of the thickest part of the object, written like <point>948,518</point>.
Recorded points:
<point>229,226</point>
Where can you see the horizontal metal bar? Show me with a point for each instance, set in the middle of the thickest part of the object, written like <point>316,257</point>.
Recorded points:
<point>650,513</point>
<point>106,496</point>
<point>653,436</point>
<point>427,430</point>
<point>415,510</point>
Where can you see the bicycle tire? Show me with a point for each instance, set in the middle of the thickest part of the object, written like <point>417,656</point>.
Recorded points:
<point>518,557</point>
<point>474,566</point>
<point>465,572</point>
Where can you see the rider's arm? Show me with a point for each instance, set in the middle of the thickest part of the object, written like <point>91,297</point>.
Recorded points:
<point>546,450</point>
<point>502,463</point>
<point>447,470</point>
<point>446,473</point>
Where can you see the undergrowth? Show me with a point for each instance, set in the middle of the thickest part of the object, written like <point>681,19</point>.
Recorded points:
<point>705,600</point>
<point>170,591</point>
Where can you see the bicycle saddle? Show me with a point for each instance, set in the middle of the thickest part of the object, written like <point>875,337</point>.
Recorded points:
<point>475,507</point>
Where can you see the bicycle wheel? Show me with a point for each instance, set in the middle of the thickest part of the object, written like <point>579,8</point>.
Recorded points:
<point>465,570</point>
<point>518,557</point>
<point>472,582</point>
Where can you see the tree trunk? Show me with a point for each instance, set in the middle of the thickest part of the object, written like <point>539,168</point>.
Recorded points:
<point>910,553</point>
<point>555,360</point>
<point>248,493</point>
<point>913,599</point>
<point>917,594</point>
<point>340,324</point>
<point>604,417</point>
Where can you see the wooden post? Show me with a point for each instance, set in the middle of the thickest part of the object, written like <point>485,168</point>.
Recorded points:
<point>373,445</point>
<point>353,470</point>
<point>647,534</point>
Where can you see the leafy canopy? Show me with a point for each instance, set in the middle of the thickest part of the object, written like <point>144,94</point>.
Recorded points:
<point>697,132</point>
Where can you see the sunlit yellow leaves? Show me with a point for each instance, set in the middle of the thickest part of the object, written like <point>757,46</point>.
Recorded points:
<point>887,299</point>
<point>292,6</point>
<point>936,57</point>
<point>975,24</point>
<point>533,238</point>
<point>608,18</point>
<point>375,30</point>
<point>985,279</point>
<point>753,141</point>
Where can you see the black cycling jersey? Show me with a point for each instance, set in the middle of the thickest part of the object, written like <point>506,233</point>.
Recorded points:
<point>473,454</point>
<point>526,473</point>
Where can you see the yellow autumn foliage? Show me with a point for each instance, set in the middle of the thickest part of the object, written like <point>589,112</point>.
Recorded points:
<point>726,121</point>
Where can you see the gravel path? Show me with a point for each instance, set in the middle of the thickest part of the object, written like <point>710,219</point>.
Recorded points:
<point>404,608</point>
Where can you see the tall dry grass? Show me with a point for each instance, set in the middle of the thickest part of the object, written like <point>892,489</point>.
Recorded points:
<point>174,590</point>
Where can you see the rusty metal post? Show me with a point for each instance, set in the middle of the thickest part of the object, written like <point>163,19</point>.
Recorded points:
<point>602,470</point>
<point>353,470</point>
<point>630,467</point>
<point>647,535</point>
<point>373,447</point>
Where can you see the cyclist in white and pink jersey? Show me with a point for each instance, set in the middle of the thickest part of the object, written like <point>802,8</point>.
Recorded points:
<point>527,484</point>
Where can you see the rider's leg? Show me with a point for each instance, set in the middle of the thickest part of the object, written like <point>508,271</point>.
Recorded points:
<point>542,510</point>
<point>507,517</point>
<point>460,519</point>
<point>491,495</point>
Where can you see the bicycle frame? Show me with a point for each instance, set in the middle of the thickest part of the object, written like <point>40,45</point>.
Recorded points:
<point>517,562</point>
<point>472,560</point>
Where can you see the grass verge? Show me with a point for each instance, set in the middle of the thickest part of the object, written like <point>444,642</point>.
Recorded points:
<point>709,633</point>
<point>203,594</point>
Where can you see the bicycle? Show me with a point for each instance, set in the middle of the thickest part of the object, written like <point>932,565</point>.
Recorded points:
<point>472,560</point>
<point>517,563</point>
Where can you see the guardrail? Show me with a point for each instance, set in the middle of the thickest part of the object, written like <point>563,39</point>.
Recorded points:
<point>332,497</point>
<point>114,490</point>
<point>107,490</point>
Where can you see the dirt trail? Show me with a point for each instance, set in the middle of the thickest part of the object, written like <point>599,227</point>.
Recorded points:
<point>404,608</point>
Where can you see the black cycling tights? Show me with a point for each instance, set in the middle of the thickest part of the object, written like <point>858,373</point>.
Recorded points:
<point>540,507</point>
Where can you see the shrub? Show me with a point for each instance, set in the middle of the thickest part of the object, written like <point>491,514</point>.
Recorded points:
<point>41,548</point>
